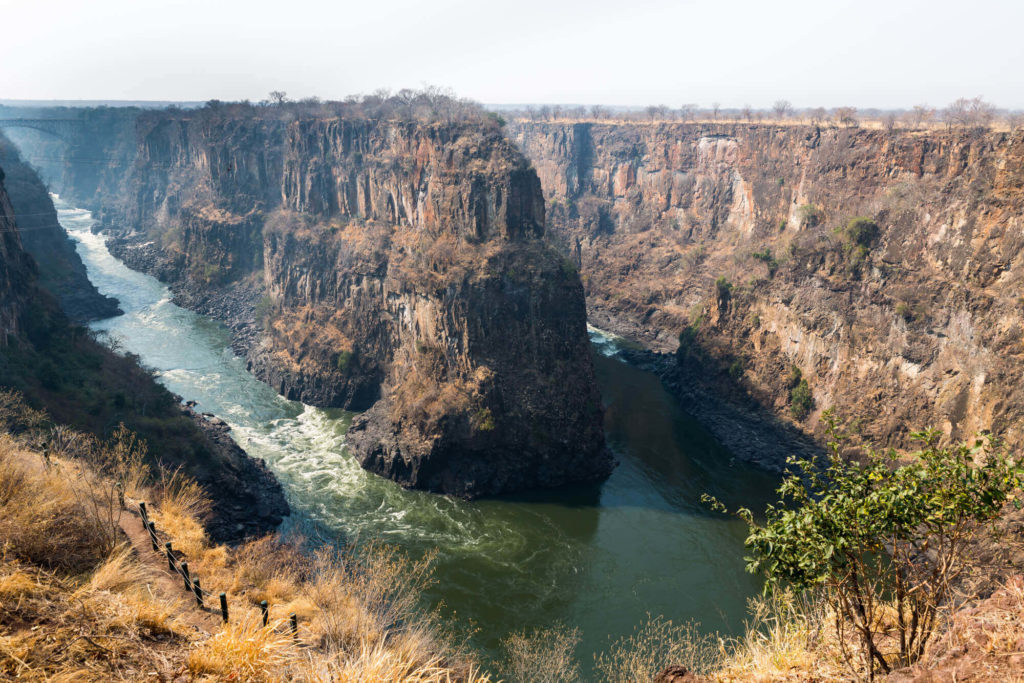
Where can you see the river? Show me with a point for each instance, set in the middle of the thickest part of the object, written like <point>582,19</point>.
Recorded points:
<point>599,557</point>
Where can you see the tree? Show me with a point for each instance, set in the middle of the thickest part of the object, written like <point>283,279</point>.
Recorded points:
<point>686,111</point>
<point>921,114</point>
<point>889,122</point>
<point>847,116</point>
<point>782,109</point>
<point>969,113</point>
<point>278,96</point>
<point>598,112</point>
<point>715,108</point>
<point>817,115</point>
<point>885,542</point>
<point>1015,120</point>
<point>747,113</point>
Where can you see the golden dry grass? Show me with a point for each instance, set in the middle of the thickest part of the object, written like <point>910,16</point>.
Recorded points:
<point>78,603</point>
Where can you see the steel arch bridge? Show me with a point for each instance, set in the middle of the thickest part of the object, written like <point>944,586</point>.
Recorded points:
<point>60,128</point>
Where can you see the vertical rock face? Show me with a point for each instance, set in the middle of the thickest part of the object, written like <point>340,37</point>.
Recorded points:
<point>17,272</point>
<point>911,323</point>
<point>60,269</point>
<point>397,267</point>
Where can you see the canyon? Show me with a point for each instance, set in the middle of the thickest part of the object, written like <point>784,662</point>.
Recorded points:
<point>771,272</point>
<point>57,367</point>
<point>391,266</point>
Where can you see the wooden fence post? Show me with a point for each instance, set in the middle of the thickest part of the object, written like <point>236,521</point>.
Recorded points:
<point>197,589</point>
<point>224,606</point>
<point>151,528</point>
<point>170,555</point>
<point>143,511</point>
<point>295,624</point>
<point>266,611</point>
<point>186,577</point>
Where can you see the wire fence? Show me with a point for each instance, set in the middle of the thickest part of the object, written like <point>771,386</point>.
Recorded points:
<point>192,584</point>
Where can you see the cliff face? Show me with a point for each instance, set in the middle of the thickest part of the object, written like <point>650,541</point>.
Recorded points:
<point>909,319</point>
<point>60,270</point>
<point>64,371</point>
<point>394,267</point>
<point>17,271</point>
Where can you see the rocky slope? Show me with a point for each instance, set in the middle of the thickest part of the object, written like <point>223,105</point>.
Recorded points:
<point>734,248</point>
<point>393,266</point>
<point>59,368</point>
<point>60,269</point>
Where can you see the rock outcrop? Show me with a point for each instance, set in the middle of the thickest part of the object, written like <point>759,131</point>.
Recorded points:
<point>393,266</point>
<point>734,247</point>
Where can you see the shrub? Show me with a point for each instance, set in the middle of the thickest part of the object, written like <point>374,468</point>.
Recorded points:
<point>801,400</point>
<point>810,215</point>
<point>344,358</point>
<point>724,289</point>
<point>884,542</point>
<point>861,232</point>
<point>736,369</point>
<point>768,259</point>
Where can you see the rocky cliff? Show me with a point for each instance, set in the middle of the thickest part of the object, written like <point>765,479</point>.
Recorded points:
<point>394,266</point>
<point>60,270</point>
<point>61,369</point>
<point>798,268</point>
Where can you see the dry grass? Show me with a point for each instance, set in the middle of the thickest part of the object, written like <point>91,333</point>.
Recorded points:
<point>786,639</point>
<point>243,650</point>
<point>656,645</point>
<point>77,603</point>
<point>543,655</point>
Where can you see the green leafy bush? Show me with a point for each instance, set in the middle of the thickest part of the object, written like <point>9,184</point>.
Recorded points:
<point>724,289</point>
<point>768,259</point>
<point>344,358</point>
<point>884,542</point>
<point>801,400</point>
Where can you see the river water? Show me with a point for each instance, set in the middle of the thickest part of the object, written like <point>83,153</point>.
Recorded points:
<point>599,557</point>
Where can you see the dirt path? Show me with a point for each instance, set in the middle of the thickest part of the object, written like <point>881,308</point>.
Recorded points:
<point>166,583</point>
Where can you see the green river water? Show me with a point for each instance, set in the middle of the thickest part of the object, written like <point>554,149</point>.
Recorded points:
<point>600,557</point>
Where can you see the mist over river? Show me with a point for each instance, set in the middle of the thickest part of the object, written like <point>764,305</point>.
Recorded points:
<point>599,557</point>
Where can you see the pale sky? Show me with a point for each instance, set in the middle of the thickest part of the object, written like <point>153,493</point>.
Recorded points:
<point>870,53</point>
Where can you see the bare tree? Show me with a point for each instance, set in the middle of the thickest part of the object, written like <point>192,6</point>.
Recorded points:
<point>817,115</point>
<point>715,108</point>
<point>847,116</point>
<point>969,113</point>
<point>598,112</point>
<point>782,109</point>
<point>889,122</point>
<point>747,113</point>
<point>278,96</point>
<point>686,111</point>
<point>1015,120</point>
<point>921,114</point>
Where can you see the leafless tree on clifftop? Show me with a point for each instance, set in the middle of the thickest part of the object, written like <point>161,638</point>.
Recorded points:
<point>782,109</point>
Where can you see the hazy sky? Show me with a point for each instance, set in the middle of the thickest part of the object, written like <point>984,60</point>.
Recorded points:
<point>813,52</point>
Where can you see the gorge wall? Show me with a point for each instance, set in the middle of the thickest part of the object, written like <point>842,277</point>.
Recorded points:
<point>60,270</point>
<point>393,266</point>
<point>59,368</point>
<point>734,248</point>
